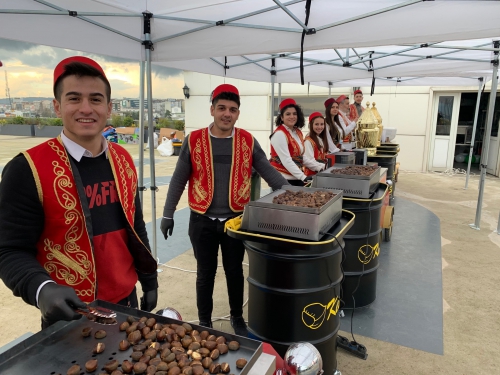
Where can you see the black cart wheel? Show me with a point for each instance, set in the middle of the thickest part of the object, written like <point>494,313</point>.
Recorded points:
<point>387,234</point>
<point>388,223</point>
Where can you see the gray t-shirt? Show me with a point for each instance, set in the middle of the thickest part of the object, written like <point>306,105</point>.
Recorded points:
<point>222,149</point>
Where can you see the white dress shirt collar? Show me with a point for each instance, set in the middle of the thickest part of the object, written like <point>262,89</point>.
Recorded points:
<point>210,132</point>
<point>77,151</point>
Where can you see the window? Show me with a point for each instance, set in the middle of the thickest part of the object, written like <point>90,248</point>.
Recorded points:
<point>445,111</point>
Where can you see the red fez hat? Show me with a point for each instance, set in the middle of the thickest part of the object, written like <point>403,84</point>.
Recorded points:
<point>358,92</point>
<point>61,67</point>
<point>329,102</point>
<point>341,98</point>
<point>224,88</point>
<point>287,102</point>
<point>314,115</point>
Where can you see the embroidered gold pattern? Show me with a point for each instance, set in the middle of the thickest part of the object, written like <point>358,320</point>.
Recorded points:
<point>200,195</point>
<point>121,176</point>
<point>242,195</point>
<point>68,262</point>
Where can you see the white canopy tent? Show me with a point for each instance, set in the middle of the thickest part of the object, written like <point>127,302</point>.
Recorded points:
<point>169,30</point>
<point>464,58</point>
<point>192,29</point>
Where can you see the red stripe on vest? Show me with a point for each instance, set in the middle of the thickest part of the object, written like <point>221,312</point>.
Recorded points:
<point>201,181</point>
<point>293,147</point>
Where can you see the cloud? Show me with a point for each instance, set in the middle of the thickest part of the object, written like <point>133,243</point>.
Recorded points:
<point>38,56</point>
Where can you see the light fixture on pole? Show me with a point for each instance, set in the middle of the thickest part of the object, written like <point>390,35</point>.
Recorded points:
<point>185,89</point>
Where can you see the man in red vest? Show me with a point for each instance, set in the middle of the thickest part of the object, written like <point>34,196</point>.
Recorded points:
<point>217,161</point>
<point>356,109</point>
<point>71,224</point>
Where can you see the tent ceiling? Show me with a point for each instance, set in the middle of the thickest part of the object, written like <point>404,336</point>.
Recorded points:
<point>184,30</point>
<point>333,65</point>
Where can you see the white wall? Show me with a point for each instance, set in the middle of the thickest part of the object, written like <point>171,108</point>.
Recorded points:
<point>403,107</point>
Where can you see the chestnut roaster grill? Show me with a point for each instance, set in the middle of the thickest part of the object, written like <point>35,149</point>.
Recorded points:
<point>307,223</point>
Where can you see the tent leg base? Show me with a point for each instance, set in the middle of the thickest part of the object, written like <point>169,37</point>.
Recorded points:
<point>473,226</point>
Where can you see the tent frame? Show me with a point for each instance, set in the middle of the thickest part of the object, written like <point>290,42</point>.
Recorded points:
<point>486,145</point>
<point>149,43</point>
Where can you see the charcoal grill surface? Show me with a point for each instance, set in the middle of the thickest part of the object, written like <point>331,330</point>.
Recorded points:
<point>55,349</point>
<point>298,222</point>
<point>352,185</point>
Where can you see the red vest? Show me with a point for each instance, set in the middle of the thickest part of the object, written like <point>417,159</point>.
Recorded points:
<point>319,156</point>
<point>293,148</point>
<point>201,181</point>
<point>65,248</point>
<point>353,112</point>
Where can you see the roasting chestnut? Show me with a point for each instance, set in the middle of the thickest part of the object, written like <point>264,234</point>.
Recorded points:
<point>91,365</point>
<point>240,363</point>
<point>111,365</point>
<point>100,334</point>
<point>127,367</point>
<point>74,370</point>
<point>140,368</point>
<point>86,331</point>
<point>233,345</point>
<point>224,367</point>
<point>124,345</point>
<point>124,326</point>
<point>99,348</point>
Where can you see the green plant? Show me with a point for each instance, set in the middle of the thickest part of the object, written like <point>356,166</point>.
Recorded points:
<point>116,121</point>
<point>3,122</point>
<point>179,124</point>
<point>18,120</point>
<point>128,122</point>
<point>168,114</point>
<point>164,123</point>
<point>56,122</point>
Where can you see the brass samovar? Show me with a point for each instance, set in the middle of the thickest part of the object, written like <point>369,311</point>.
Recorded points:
<point>379,119</point>
<point>367,132</point>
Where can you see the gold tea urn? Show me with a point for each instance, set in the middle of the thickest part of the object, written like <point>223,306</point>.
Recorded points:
<point>367,131</point>
<point>379,119</point>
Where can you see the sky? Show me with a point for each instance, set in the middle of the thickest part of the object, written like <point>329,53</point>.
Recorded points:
<point>30,72</point>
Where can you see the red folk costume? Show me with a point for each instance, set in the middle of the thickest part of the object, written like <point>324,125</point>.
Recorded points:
<point>348,137</point>
<point>65,247</point>
<point>293,149</point>
<point>353,112</point>
<point>201,182</point>
<point>319,156</point>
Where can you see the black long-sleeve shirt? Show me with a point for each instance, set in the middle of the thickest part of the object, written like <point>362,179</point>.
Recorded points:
<point>222,150</point>
<point>22,223</point>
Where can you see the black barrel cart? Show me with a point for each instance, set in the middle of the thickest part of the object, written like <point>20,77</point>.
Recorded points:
<point>294,289</point>
<point>362,248</point>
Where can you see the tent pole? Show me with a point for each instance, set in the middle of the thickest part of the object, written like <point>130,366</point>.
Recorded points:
<point>273,79</point>
<point>330,89</point>
<point>471,149</point>
<point>484,152</point>
<point>141,133</point>
<point>279,93</point>
<point>149,87</point>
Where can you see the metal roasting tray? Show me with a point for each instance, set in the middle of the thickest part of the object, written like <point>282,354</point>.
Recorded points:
<point>307,223</point>
<point>55,349</point>
<point>352,186</point>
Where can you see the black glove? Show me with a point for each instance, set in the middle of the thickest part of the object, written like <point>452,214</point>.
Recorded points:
<point>308,179</point>
<point>58,302</point>
<point>149,300</point>
<point>167,226</point>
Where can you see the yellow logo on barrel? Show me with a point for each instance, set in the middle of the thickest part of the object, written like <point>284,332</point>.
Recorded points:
<point>366,253</point>
<point>314,314</point>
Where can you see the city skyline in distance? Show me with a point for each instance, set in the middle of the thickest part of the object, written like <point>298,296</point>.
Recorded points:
<point>30,72</point>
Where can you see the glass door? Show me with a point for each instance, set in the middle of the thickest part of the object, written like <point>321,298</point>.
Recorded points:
<point>445,121</point>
